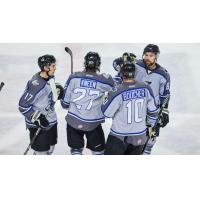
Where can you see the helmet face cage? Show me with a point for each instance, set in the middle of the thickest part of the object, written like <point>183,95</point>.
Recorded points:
<point>46,61</point>
<point>92,61</point>
<point>153,49</point>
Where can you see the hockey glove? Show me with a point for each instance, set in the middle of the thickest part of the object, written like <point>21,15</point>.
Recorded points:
<point>60,90</point>
<point>39,120</point>
<point>133,58</point>
<point>164,118</point>
<point>151,132</point>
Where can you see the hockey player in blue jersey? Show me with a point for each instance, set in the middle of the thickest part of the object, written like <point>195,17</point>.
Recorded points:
<point>83,97</point>
<point>37,106</point>
<point>157,77</point>
<point>132,106</point>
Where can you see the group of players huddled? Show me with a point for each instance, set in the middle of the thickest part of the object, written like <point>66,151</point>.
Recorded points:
<point>132,99</point>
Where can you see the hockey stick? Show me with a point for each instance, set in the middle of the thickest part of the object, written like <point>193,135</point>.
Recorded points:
<point>1,85</point>
<point>69,51</point>
<point>32,141</point>
<point>36,134</point>
<point>158,119</point>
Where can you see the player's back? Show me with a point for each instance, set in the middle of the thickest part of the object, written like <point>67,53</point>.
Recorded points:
<point>84,94</point>
<point>129,106</point>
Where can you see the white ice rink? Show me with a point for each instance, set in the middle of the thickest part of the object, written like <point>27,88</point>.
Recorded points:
<point>18,62</point>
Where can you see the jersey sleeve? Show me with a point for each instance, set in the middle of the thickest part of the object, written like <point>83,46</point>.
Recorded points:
<point>26,102</point>
<point>111,104</point>
<point>65,101</point>
<point>164,88</point>
<point>152,110</point>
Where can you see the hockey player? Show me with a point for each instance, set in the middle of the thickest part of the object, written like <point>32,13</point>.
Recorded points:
<point>37,105</point>
<point>129,107</point>
<point>83,95</point>
<point>157,77</point>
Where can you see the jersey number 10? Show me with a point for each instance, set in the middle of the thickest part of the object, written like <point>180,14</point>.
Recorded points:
<point>138,107</point>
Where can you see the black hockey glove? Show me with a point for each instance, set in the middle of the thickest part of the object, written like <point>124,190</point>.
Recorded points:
<point>164,118</point>
<point>42,121</point>
<point>39,120</point>
<point>60,90</point>
<point>133,58</point>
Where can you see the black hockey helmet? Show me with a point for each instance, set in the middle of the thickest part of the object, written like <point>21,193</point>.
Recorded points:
<point>128,57</point>
<point>152,48</point>
<point>128,70</point>
<point>92,60</point>
<point>46,61</point>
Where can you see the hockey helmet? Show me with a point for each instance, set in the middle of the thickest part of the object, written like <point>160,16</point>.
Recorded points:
<point>92,60</point>
<point>128,70</point>
<point>46,61</point>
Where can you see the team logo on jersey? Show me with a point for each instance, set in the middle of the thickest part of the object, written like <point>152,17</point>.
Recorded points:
<point>148,82</point>
<point>35,83</point>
